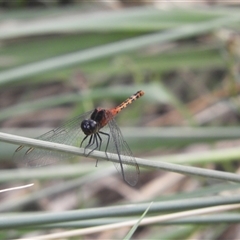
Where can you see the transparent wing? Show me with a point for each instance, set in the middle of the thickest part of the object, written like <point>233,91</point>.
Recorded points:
<point>69,133</point>
<point>130,172</point>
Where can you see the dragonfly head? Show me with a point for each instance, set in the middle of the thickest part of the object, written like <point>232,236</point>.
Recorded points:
<point>89,126</point>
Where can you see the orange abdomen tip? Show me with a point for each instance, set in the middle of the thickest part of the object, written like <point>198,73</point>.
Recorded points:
<point>128,101</point>
<point>141,92</point>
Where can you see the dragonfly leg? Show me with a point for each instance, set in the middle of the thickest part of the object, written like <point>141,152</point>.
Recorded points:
<point>84,140</point>
<point>108,139</point>
<point>94,141</point>
<point>98,137</point>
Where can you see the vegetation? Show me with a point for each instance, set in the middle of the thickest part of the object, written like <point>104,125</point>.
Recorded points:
<point>58,62</point>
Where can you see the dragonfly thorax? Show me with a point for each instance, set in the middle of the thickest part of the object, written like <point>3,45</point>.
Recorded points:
<point>89,126</point>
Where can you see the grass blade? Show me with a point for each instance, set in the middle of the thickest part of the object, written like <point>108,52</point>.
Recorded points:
<point>135,226</point>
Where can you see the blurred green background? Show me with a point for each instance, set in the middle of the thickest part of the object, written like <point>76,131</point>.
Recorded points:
<point>59,59</point>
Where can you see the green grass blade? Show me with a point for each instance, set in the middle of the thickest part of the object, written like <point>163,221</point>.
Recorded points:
<point>114,157</point>
<point>135,226</point>
<point>113,48</point>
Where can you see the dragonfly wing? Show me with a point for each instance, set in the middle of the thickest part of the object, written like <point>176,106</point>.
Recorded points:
<point>69,133</point>
<point>130,172</point>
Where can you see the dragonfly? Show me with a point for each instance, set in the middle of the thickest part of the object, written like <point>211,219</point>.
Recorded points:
<point>93,130</point>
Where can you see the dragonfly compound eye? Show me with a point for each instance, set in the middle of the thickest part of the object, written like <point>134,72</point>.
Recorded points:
<point>89,126</point>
